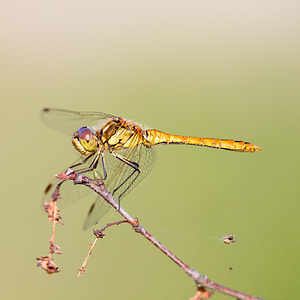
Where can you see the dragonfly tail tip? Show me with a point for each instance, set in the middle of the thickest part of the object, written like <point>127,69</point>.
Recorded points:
<point>256,148</point>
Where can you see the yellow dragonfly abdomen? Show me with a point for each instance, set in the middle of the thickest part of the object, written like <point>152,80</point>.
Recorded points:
<point>156,137</point>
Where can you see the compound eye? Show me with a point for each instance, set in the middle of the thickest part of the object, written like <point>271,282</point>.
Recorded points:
<point>85,134</point>
<point>87,139</point>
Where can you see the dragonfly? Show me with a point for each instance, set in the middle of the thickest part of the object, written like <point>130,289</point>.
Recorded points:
<point>117,151</point>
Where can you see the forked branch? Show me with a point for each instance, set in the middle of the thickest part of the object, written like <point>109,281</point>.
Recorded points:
<point>201,281</point>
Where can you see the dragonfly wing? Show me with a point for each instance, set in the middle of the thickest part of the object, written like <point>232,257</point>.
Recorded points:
<point>69,193</point>
<point>70,121</point>
<point>98,209</point>
<point>121,177</point>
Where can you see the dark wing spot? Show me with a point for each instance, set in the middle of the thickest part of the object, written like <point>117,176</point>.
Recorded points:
<point>48,188</point>
<point>91,209</point>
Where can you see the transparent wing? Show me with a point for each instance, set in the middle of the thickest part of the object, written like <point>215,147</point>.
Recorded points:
<point>118,172</point>
<point>69,192</point>
<point>70,121</point>
<point>98,209</point>
<point>121,178</point>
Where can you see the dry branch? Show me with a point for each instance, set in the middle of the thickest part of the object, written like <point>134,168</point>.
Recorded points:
<point>201,281</point>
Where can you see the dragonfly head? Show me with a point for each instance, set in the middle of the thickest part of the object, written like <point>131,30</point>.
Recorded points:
<point>84,141</point>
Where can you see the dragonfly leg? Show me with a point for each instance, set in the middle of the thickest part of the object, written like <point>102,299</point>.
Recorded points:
<point>83,161</point>
<point>93,165</point>
<point>103,167</point>
<point>136,170</point>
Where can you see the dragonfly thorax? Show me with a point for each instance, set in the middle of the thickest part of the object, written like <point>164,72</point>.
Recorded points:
<point>85,141</point>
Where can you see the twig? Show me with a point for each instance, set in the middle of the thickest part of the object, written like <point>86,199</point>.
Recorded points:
<point>99,235</point>
<point>46,262</point>
<point>200,280</point>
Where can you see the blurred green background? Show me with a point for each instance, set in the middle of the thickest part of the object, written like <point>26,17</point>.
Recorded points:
<point>227,69</point>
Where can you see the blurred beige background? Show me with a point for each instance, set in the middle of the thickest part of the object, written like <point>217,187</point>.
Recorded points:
<point>227,69</point>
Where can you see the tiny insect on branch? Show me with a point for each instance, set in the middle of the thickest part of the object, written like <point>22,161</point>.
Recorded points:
<point>229,239</point>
